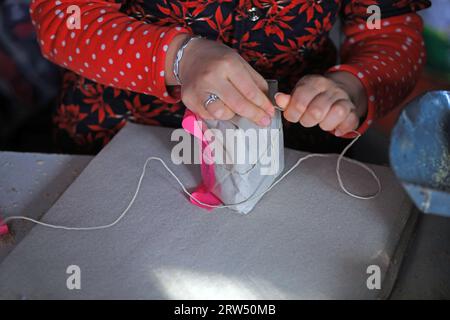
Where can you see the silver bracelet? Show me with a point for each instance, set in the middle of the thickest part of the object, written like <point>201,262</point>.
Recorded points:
<point>180,52</point>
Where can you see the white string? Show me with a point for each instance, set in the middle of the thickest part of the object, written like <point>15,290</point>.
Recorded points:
<point>119,218</point>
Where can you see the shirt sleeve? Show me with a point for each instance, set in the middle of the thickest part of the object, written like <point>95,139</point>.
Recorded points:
<point>388,60</point>
<point>109,47</point>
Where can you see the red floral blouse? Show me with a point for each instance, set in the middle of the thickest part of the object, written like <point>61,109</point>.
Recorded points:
<point>116,58</point>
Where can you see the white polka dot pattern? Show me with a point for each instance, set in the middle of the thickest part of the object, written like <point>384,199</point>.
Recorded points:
<point>107,43</point>
<point>383,63</point>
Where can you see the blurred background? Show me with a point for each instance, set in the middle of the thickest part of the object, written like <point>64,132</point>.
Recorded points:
<point>29,84</point>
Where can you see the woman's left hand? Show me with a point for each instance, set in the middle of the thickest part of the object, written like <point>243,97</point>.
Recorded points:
<point>335,101</point>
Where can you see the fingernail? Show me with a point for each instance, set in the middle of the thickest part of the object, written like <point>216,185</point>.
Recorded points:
<point>317,114</point>
<point>338,133</point>
<point>278,106</point>
<point>218,113</point>
<point>265,121</point>
<point>275,97</point>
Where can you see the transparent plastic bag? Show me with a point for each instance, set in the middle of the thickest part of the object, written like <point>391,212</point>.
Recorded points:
<point>244,161</point>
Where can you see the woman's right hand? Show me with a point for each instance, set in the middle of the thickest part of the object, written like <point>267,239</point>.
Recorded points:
<point>209,67</point>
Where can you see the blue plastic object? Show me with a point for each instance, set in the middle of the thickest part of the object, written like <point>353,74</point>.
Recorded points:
<point>420,151</point>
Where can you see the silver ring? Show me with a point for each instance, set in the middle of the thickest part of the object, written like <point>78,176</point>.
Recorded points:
<point>211,98</point>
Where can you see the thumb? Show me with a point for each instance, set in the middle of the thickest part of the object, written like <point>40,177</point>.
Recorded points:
<point>282,100</point>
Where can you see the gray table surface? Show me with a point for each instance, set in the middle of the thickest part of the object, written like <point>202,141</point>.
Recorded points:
<point>31,183</point>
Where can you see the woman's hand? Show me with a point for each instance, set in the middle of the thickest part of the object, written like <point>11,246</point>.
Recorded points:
<point>211,67</point>
<point>335,101</point>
